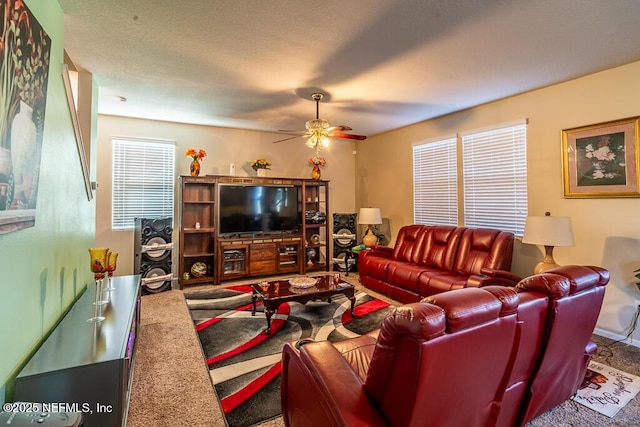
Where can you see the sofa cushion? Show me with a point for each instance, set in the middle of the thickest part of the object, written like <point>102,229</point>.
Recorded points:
<point>436,281</point>
<point>483,248</point>
<point>406,275</point>
<point>402,295</point>
<point>357,352</point>
<point>409,242</point>
<point>439,246</point>
<point>562,281</point>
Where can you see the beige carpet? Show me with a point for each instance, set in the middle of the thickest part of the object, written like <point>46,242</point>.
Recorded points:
<point>171,384</point>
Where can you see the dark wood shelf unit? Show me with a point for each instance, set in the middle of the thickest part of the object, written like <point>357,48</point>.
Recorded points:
<point>315,197</point>
<point>197,228</point>
<point>89,363</point>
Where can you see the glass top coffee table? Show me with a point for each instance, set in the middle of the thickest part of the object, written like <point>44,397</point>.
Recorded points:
<point>300,289</point>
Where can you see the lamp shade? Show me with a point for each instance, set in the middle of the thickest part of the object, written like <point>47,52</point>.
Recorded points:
<point>548,231</point>
<point>369,216</point>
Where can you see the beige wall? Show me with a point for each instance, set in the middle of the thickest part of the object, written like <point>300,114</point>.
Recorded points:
<point>607,231</point>
<point>223,146</point>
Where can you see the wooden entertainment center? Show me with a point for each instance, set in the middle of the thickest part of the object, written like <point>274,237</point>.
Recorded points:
<point>269,246</point>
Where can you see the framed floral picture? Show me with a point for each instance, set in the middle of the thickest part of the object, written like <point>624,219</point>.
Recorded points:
<point>24,73</point>
<point>601,160</point>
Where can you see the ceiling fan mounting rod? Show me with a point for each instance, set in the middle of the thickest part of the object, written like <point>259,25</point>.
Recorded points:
<point>317,96</point>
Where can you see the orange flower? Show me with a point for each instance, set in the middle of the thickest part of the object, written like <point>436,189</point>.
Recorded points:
<point>195,155</point>
<point>317,161</point>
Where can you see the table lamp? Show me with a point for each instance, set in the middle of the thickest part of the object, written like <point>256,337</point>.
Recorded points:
<point>548,231</point>
<point>369,217</point>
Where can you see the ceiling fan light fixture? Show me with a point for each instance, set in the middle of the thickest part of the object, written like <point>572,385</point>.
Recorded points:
<point>319,132</point>
<point>317,124</point>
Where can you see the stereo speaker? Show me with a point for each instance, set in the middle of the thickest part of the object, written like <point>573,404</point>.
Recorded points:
<point>344,238</point>
<point>152,253</point>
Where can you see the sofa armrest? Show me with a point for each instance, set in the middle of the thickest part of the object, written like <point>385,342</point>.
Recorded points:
<point>590,350</point>
<point>319,388</point>
<point>491,276</point>
<point>377,250</point>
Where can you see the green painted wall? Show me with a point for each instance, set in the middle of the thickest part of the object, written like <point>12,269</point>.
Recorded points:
<point>43,268</point>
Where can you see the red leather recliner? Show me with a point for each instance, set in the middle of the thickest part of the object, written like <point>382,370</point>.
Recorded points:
<point>431,365</point>
<point>470,357</point>
<point>575,295</point>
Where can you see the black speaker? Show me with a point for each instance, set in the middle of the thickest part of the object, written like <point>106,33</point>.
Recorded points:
<point>344,238</point>
<point>152,253</point>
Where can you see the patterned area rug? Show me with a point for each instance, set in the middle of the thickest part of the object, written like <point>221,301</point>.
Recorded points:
<point>606,390</point>
<point>245,363</point>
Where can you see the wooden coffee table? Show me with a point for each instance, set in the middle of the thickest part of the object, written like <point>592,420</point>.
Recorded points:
<point>277,292</point>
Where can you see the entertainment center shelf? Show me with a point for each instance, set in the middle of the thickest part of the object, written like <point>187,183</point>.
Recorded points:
<point>197,229</point>
<point>234,227</point>
<point>257,257</point>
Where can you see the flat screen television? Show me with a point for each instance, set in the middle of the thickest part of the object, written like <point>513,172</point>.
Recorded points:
<point>258,209</point>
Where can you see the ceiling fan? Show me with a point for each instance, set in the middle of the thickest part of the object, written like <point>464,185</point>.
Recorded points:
<point>319,131</point>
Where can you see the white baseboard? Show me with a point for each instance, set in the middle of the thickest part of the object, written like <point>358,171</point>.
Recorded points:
<point>616,337</point>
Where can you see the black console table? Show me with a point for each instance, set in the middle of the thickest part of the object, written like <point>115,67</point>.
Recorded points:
<point>84,367</point>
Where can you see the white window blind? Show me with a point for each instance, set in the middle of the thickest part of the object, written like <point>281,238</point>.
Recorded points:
<point>495,178</point>
<point>435,183</point>
<point>143,181</point>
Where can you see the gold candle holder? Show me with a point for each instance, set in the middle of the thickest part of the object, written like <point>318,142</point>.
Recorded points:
<point>98,265</point>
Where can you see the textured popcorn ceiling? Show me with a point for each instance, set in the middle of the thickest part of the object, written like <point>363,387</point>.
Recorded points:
<point>384,64</point>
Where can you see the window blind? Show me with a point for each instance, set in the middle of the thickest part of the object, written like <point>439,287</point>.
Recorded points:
<point>435,183</point>
<point>495,178</point>
<point>142,181</point>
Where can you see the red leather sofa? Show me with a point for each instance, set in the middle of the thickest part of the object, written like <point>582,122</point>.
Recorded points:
<point>491,356</point>
<point>427,260</point>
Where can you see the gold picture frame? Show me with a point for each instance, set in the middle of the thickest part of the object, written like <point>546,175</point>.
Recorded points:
<point>602,160</point>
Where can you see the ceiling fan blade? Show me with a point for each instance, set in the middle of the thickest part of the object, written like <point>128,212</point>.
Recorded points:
<point>348,136</point>
<point>286,139</point>
<point>340,128</point>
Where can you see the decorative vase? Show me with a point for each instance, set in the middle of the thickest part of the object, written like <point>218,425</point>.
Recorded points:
<point>24,153</point>
<point>262,172</point>
<point>315,173</point>
<point>195,167</point>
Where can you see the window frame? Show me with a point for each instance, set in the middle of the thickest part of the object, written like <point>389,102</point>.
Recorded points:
<point>143,186</point>
<point>476,201</point>
<point>483,172</point>
<point>442,210</point>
